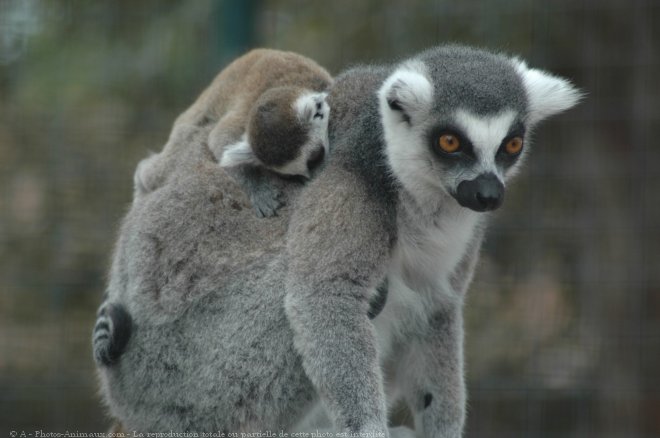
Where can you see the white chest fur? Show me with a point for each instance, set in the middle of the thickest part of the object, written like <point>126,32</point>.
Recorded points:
<point>428,251</point>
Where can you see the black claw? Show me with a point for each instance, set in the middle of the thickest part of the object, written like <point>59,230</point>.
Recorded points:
<point>428,398</point>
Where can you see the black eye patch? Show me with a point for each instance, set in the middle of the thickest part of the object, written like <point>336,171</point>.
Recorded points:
<point>463,155</point>
<point>503,158</point>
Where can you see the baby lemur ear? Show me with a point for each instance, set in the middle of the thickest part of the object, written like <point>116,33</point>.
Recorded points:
<point>407,94</point>
<point>237,154</point>
<point>547,94</point>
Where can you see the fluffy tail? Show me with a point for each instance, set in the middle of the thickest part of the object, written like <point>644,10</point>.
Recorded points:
<point>111,333</point>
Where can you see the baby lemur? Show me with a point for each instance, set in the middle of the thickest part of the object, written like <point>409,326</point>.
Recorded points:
<point>267,117</point>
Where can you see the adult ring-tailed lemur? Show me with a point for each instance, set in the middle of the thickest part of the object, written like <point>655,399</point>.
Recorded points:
<point>419,151</point>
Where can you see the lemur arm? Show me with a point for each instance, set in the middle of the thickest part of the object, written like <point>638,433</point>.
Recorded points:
<point>259,184</point>
<point>261,187</point>
<point>338,247</point>
<point>430,375</point>
<point>430,371</point>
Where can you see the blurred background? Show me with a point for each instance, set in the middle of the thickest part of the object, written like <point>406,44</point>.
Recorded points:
<point>563,318</point>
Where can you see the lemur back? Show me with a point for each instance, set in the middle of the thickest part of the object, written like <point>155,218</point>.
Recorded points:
<point>185,181</point>
<point>266,117</point>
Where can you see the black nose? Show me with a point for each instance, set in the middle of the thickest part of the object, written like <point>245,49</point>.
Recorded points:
<point>315,158</point>
<point>484,193</point>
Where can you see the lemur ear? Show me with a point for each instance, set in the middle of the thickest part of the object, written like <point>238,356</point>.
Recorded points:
<point>237,154</point>
<point>406,93</point>
<point>547,94</point>
<point>148,175</point>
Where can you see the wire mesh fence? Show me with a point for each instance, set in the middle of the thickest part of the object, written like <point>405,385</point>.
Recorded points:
<point>563,318</point>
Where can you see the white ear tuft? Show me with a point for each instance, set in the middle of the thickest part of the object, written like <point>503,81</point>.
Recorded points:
<point>407,93</point>
<point>237,154</point>
<point>547,94</point>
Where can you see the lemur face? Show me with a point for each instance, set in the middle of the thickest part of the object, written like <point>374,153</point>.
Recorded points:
<point>288,130</point>
<point>459,125</point>
<point>311,113</point>
<point>476,154</point>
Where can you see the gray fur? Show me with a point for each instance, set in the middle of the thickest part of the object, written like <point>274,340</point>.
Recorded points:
<point>175,237</point>
<point>394,219</point>
<point>191,265</point>
<point>241,330</point>
<point>253,125</point>
<point>258,183</point>
<point>473,78</point>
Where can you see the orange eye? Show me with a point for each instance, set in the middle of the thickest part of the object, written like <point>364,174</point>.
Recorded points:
<point>514,146</point>
<point>449,143</point>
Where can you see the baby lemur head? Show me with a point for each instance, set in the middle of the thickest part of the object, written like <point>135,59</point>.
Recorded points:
<point>287,132</point>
